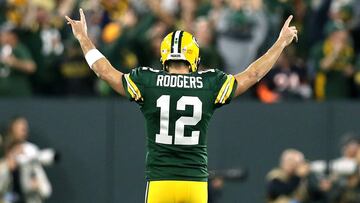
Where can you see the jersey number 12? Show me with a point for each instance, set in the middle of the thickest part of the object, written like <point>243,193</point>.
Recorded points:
<point>164,104</point>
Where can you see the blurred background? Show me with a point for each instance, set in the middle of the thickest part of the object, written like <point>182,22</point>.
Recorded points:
<point>63,136</point>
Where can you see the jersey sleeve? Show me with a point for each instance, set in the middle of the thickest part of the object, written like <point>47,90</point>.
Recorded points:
<point>133,84</point>
<point>224,89</point>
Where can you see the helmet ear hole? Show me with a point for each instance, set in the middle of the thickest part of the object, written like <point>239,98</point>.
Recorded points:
<point>166,65</point>
<point>197,64</point>
<point>163,64</point>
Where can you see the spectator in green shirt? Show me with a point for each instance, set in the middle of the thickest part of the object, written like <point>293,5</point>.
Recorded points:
<point>16,64</point>
<point>334,59</point>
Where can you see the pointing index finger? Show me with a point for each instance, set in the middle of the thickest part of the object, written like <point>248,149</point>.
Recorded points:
<point>287,22</point>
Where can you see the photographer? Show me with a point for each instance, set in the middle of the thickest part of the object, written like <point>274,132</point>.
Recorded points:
<point>27,181</point>
<point>7,165</point>
<point>345,171</point>
<point>294,181</point>
<point>288,182</point>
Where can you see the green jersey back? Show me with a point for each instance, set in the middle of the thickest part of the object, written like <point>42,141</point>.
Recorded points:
<point>177,110</point>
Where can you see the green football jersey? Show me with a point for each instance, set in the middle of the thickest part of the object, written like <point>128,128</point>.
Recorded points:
<point>177,109</point>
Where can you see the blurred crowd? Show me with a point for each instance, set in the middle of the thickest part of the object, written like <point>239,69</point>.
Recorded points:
<point>39,56</point>
<point>297,180</point>
<point>22,176</point>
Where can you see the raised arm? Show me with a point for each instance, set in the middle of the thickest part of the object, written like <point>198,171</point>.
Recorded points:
<point>102,67</point>
<point>263,65</point>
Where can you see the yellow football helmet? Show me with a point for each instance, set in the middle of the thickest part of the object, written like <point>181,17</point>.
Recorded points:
<point>180,45</point>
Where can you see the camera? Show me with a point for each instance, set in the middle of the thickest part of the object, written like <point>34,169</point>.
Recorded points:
<point>31,153</point>
<point>236,174</point>
<point>342,167</point>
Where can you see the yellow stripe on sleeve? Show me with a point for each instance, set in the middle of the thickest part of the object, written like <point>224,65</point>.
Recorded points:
<point>128,86</point>
<point>132,88</point>
<point>228,93</point>
<point>222,90</point>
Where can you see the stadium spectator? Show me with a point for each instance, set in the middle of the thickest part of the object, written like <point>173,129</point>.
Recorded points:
<point>29,183</point>
<point>349,191</point>
<point>163,10</point>
<point>77,79</point>
<point>188,15</point>
<point>44,40</point>
<point>355,27</point>
<point>119,36</point>
<point>350,146</point>
<point>212,10</point>
<point>16,64</point>
<point>120,41</point>
<point>357,77</point>
<point>303,16</point>
<point>153,37</point>
<point>334,64</point>
<point>286,81</point>
<point>241,30</point>
<point>204,34</point>
<point>124,30</point>
<point>342,11</point>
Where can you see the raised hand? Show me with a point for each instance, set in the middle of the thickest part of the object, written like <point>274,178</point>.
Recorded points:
<point>288,33</point>
<point>79,27</point>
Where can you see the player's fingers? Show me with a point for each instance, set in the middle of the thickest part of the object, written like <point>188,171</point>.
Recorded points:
<point>82,15</point>
<point>287,22</point>
<point>296,37</point>
<point>293,27</point>
<point>69,20</point>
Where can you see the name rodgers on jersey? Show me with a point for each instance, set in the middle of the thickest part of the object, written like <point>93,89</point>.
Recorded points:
<point>180,81</point>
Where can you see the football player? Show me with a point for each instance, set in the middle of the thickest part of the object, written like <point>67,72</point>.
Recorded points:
<point>178,103</point>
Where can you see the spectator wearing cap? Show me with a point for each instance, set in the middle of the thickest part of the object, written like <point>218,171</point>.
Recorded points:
<point>16,64</point>
<point>333,60</point>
